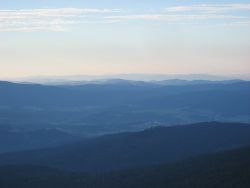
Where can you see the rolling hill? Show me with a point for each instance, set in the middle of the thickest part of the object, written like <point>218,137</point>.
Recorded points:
<point>130,150</point>
<point>14,140</point>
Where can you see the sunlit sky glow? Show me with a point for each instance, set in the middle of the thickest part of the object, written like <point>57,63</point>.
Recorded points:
<point>67,37</point>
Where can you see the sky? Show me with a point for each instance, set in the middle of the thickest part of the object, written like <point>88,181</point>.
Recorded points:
<point>95,37</point>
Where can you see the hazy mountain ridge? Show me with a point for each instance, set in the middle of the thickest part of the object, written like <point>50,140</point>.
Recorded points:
<point>140,77</point>
<point>121,106</point>
<point>169,81</point>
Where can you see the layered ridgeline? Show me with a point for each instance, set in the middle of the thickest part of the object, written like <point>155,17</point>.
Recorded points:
<point>131,150</point>
<point>121,105</point>
<point>221,170</point>
<point>16,140</point>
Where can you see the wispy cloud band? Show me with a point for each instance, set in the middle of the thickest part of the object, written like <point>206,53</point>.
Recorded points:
<point>211,8</point>
<point>46,19</point>
<point>173,17</point>
<point>60,19</point>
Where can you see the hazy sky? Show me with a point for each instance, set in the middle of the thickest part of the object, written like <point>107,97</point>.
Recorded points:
<point>67,37</point>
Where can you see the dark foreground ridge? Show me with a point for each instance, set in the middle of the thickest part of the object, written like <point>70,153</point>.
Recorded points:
<point>221,170</point>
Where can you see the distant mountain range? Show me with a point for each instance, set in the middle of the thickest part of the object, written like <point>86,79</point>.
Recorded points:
<point>132,150</point>
<point>73,79</point>
<point>149,83</point>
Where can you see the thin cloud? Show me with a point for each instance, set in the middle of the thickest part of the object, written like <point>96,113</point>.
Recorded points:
<point>62,19</point>
<point>173,18</point>
<point>44,13</point>
<point>47,19</point>
<point>211,8</point>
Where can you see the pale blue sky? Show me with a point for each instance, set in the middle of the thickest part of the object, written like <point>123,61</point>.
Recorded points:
<point>62,37</point>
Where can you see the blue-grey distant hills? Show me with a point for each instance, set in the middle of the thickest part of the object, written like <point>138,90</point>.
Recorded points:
<point>129,76</point>
<point>122,105</point>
